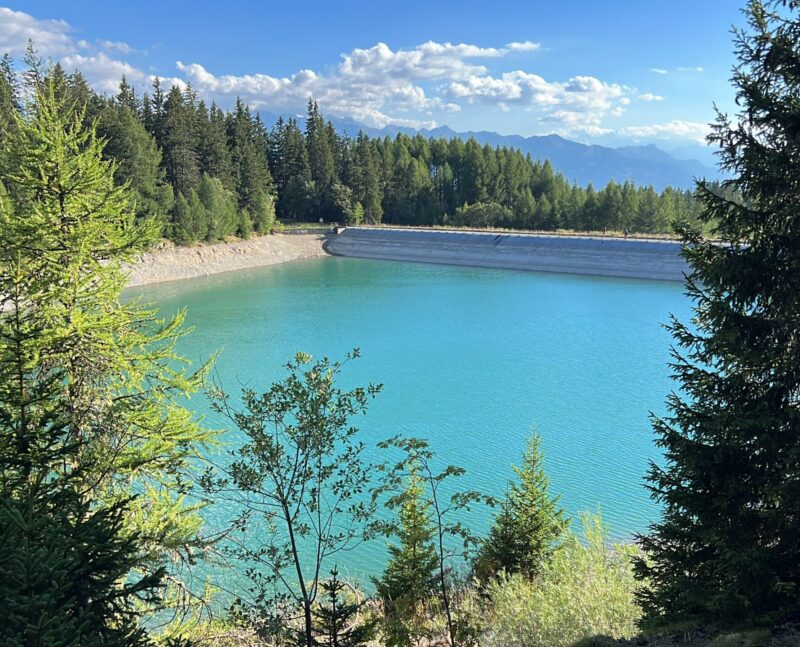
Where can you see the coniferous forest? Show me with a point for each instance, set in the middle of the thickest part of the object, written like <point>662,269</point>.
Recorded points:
<point>106,475</point>
<point>209,174</point>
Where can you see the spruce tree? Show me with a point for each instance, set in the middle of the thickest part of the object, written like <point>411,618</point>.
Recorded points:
<point>137,158</point>
<point>529,525</point>
<point>727,547</point>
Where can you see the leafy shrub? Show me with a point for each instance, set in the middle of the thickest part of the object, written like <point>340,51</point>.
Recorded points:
<point>587,589</point>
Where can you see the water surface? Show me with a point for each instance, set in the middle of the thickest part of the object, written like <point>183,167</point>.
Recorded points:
<point>473,359</point>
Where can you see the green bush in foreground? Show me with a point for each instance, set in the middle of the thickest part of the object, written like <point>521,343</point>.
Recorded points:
<point>587,589</point>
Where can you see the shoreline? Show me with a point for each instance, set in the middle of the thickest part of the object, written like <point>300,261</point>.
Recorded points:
<point>169,262</point>
<point>557,252</point>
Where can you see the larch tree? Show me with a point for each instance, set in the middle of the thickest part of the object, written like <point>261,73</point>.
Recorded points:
<point>66,234</point>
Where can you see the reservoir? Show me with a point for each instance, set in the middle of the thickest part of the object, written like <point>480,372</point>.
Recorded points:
<point>473,359</point>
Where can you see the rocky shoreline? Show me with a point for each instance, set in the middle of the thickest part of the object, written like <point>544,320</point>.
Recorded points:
<point>170,262</point>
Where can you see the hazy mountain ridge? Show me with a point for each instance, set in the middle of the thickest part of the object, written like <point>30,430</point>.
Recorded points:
<point>583,163</point>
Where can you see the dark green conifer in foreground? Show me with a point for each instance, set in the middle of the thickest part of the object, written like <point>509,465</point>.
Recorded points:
<point>727,549</point>
<point>529,524</point>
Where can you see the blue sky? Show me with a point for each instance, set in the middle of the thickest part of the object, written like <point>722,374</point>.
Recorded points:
<point>616,72</point>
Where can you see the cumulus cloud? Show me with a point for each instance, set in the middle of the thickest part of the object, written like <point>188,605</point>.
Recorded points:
<point>525,46</point>
<point>581,100</point>
<point>371,83</point>
<point>116,46</point>
<point>685,129</point>
<point>51,37</point>
<point>375,85</point>
<point>103,72</point>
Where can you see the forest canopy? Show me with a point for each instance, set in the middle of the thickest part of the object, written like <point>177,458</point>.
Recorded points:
<point>208,174</point>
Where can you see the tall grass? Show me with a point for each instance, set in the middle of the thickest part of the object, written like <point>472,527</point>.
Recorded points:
<point>586,590</point>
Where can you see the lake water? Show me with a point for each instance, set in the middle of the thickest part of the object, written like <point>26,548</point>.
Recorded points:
<point>471,359</point>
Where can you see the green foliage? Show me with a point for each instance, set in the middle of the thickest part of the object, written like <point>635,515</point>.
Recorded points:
<point>529,526</point>
<point>483,214</point>
<point>726,551</point>
<point>66,231</point>
<point>301,475</point>
<point>337,622</point>
<point>138,159</point>
<point>219,205</point>
<point>754,638</point>
<point>66,565</point>
<point>357,216</point>
<point>410,575</point>
<point>452,540</point>
<point>292,174</point>
<point>586,589</point>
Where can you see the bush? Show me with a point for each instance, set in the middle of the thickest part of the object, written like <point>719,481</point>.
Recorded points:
<point>587,589</point>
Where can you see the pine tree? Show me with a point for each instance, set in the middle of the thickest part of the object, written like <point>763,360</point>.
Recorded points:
<point>336,621</point>
<point>33,75</point>
<point>529,525</point>
<point>252,179</point>
<point>67,567</point>
<point>320,158</point>
<point>366,180</point>
<point>215,156</point>
<point>127,96</point>
<point>9,96</point>
<point>726,550</point>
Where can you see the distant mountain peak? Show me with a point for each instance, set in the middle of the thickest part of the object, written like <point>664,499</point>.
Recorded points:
<point>643,164</point>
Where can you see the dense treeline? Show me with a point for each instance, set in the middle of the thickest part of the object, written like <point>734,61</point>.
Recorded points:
<point>211,174</point>
<point>101,472</point>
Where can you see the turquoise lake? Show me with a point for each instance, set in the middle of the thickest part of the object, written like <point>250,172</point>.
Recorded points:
<point>472,359</point>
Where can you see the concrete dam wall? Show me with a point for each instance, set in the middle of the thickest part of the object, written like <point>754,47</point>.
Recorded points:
<point>646,259</point>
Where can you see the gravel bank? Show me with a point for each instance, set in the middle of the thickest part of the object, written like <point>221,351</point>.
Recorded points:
<point>169,262</point>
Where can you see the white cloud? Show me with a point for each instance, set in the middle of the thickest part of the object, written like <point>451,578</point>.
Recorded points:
<point>116,46</point>
<point>581,100</point>
<point>51,37</point>
<point>690,69</point>
<point>524,46</point>
<point>102,72</point>
<point>684,129</point>
<point>375,85</point>
<point>370,83</point>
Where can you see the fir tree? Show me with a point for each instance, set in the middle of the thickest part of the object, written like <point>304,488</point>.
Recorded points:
<point>529,525</point>
<point>727,548</point>
<point>138,159</point>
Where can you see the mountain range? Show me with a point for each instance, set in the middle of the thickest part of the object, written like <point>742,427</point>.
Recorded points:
<point>581,163</point>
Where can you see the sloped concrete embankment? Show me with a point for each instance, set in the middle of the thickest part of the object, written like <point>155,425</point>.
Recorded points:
<point>646,259</point>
